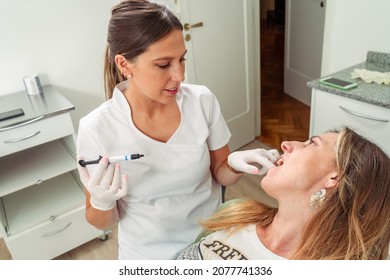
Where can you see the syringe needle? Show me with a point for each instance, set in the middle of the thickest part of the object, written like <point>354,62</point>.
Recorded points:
<point>112,159</point>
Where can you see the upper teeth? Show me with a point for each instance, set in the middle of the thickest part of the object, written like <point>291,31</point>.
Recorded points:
<point>279,162</point>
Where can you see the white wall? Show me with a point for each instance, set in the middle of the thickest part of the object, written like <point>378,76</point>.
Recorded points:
<point>353,27</point>
<point>63,41</point>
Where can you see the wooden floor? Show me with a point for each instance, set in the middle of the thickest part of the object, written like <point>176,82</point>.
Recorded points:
<point>282,117</point>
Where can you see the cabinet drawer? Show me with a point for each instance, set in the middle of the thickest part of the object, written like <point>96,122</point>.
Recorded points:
<point>22,137</point>
<point>36,204</point>
<point>330,111</point>
<point>53,238</point>
<point>37,164</point>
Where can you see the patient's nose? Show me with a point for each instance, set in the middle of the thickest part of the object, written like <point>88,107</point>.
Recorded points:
<point>286,146</point>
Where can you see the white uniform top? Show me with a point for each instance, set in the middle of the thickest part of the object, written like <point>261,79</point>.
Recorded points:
<point>171,187</point>
<point>220,245</point>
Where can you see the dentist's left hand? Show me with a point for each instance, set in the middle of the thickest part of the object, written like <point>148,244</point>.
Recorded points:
<point>106,185</point>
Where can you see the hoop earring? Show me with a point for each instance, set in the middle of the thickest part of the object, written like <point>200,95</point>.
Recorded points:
<point>317,198</point>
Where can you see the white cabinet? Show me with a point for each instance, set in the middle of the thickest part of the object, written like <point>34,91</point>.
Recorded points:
<point>329,111</point>
<point>42,201</point>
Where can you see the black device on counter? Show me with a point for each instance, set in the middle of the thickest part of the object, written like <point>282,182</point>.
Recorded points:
<point>11,114</point>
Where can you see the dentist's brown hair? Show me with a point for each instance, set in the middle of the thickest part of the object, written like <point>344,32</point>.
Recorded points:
<point>133,27</point>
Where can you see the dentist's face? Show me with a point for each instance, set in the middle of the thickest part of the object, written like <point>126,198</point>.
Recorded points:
<point>158,72</point>
<point>303,169</point>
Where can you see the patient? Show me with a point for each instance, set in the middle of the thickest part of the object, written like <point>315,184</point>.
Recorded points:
<point>333,194</point>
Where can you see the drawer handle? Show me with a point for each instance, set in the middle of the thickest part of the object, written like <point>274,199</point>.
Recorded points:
<point>362,116</point>
<point>56,231</point>
<point>21,124</point>
<point>21,139</point>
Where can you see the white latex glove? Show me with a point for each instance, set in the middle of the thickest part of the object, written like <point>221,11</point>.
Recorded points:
<point>243,160</point>
<point>371,76</point>
<point>106,185</point>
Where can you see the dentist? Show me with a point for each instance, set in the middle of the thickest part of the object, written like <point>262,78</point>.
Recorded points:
<point>158,199</point>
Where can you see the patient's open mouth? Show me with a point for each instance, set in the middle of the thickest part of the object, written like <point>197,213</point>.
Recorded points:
<point>172,90</point>
<point>279,162</point>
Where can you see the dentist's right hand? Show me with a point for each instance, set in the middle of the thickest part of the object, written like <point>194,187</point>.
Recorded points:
<point>106,185</point>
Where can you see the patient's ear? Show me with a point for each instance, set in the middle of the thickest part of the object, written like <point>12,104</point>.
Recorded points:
<point>333,179</point>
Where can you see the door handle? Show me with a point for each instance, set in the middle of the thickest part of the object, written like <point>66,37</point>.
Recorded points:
<point>188,26</point>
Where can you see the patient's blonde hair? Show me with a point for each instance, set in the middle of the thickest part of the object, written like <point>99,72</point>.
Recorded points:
<point>352,223</point>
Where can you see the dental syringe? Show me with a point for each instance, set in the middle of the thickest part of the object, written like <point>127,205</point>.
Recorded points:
<point>112,159</point>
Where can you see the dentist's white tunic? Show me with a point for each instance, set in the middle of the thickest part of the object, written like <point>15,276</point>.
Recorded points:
<point>171,188</point>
